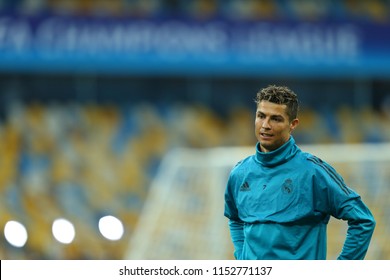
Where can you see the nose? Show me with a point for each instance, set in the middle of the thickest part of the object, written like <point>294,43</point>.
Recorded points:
<point>265,123</point>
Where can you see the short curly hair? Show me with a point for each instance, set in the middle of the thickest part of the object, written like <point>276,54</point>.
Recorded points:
<point>280,95</point>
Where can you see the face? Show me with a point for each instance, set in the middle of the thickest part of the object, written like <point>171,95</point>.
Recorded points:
<point>272,125</point>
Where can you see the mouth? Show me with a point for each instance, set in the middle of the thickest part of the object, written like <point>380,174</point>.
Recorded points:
<point>266,136</point>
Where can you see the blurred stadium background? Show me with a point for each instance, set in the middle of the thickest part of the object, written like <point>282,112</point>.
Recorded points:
<point>122,118</point>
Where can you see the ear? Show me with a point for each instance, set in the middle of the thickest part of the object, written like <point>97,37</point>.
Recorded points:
<point>294,124</point>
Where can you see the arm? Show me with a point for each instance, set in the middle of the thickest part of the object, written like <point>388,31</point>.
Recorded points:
<point>236,226</point>
<point>341,202</point>
<point>237,235</point>
<point>361,226</point>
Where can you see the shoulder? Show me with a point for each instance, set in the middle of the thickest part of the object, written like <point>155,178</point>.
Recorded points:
<point>313,161</point>
<point>326,172</point>
<point>244,162</point>
<point>315,165</point>
<point>242,165</point>
<point>305,161</point>
<point>318,164</point>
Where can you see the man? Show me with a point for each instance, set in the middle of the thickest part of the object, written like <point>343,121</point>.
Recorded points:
<point>279,200</point>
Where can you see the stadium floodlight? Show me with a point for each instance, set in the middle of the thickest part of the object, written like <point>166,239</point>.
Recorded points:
<point>63,231</point>
<point>15,233</point>
<point>111,227</point>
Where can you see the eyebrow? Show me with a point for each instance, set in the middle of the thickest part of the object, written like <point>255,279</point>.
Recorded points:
<point>278,116</point>
<point>261,112</point>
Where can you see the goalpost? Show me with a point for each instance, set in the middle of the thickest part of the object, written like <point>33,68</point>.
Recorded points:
<point>183,217</point>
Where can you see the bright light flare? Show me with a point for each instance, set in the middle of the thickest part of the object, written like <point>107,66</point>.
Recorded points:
<point>111,227</point>
<point>15,233</point>
<point>63,231</point>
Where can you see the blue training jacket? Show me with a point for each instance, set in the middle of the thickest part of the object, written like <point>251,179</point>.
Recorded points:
<point>279,204</point>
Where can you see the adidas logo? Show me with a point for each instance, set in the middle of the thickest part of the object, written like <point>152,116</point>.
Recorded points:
<point>245,187</point>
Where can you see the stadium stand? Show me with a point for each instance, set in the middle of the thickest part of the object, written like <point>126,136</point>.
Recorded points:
<point>374,10</point>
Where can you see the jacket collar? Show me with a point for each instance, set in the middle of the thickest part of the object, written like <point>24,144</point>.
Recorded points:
<point>279,156</point>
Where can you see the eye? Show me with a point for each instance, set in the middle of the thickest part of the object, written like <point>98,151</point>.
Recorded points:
<point>260,115</point>
<point>277,119</point>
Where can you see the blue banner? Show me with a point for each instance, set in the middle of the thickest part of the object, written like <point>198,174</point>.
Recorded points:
<point>214,47</point>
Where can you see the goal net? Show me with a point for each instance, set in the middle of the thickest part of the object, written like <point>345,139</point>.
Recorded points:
<point>183,217</point>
